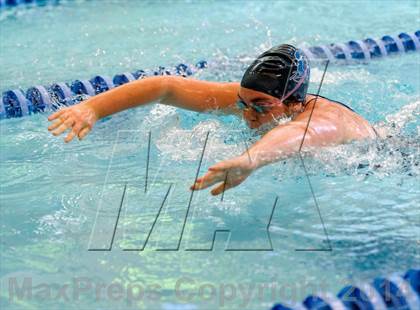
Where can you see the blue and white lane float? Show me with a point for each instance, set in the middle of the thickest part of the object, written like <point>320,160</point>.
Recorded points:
<point>365,50</point>
<point>36,99</point>
<point>395,292</point>
<point>17,103</point>
<point>12,3</point>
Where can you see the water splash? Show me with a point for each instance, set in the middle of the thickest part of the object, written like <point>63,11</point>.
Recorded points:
<point>396,153</point>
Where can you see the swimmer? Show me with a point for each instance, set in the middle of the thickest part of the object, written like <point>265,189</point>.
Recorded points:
<point>274,86</point>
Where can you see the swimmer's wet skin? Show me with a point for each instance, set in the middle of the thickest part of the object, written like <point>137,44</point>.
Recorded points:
<point>274,86</point>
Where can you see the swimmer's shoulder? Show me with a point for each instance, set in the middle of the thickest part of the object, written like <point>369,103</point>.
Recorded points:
<point>342,116</point>
<point>327,103</point>
<point>322,106</point>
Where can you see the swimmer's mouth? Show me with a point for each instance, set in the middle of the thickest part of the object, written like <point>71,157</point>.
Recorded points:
<point>253,124</point>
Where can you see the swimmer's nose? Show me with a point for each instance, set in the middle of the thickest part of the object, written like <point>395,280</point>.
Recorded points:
<point>251,119</point>
<point>250,115</point>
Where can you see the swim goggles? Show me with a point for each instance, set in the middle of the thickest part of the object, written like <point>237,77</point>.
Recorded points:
<point>242,105</point>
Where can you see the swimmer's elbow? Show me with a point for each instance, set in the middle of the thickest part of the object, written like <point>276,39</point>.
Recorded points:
<point>174,89</point>
<point>168,85</point>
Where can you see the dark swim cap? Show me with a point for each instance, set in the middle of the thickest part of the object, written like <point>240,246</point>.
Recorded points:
<point>282,72</point>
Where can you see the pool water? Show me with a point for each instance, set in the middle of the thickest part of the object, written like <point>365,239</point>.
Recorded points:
<point>60,202</point>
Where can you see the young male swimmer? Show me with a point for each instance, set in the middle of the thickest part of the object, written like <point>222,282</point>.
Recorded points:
<point>274,86</point>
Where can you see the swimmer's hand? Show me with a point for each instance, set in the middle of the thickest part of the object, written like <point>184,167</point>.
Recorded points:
<point>79,118</point>
<point>228,173</point>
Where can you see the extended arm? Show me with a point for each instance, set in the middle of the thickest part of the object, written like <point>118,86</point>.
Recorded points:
<point>185,93</point>
<point>279,143</point>
<point>284,141</point>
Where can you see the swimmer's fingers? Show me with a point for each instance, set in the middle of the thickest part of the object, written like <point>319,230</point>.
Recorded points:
<point>207,180</point>
<point>56,115</point>
<point>216,173</point>
<point>222,166</point>
<point>226,166</point>
<point>54,125</point>
<point>232,171</point>
<point>83,133</point>
<point>61,118</point>
<point>74,132</point>
<point>222,188</point>
<point>232,179</point>
<point>63,127</point>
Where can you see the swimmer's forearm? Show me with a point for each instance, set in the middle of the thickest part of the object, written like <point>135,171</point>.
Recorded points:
<point>129,95</point>
<point>263,155</point>
<point>278,144</point>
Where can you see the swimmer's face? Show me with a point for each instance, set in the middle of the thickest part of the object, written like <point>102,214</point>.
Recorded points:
<point>259,108</point>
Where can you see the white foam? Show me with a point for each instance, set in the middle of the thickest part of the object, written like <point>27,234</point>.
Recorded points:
<point>407,114</point>
<point>182,144</point>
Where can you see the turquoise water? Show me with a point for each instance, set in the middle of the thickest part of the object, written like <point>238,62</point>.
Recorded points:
<point>52,194</point>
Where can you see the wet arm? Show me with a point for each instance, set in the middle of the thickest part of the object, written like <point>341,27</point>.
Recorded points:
<point>176,91</point>
<point>285,141</point>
